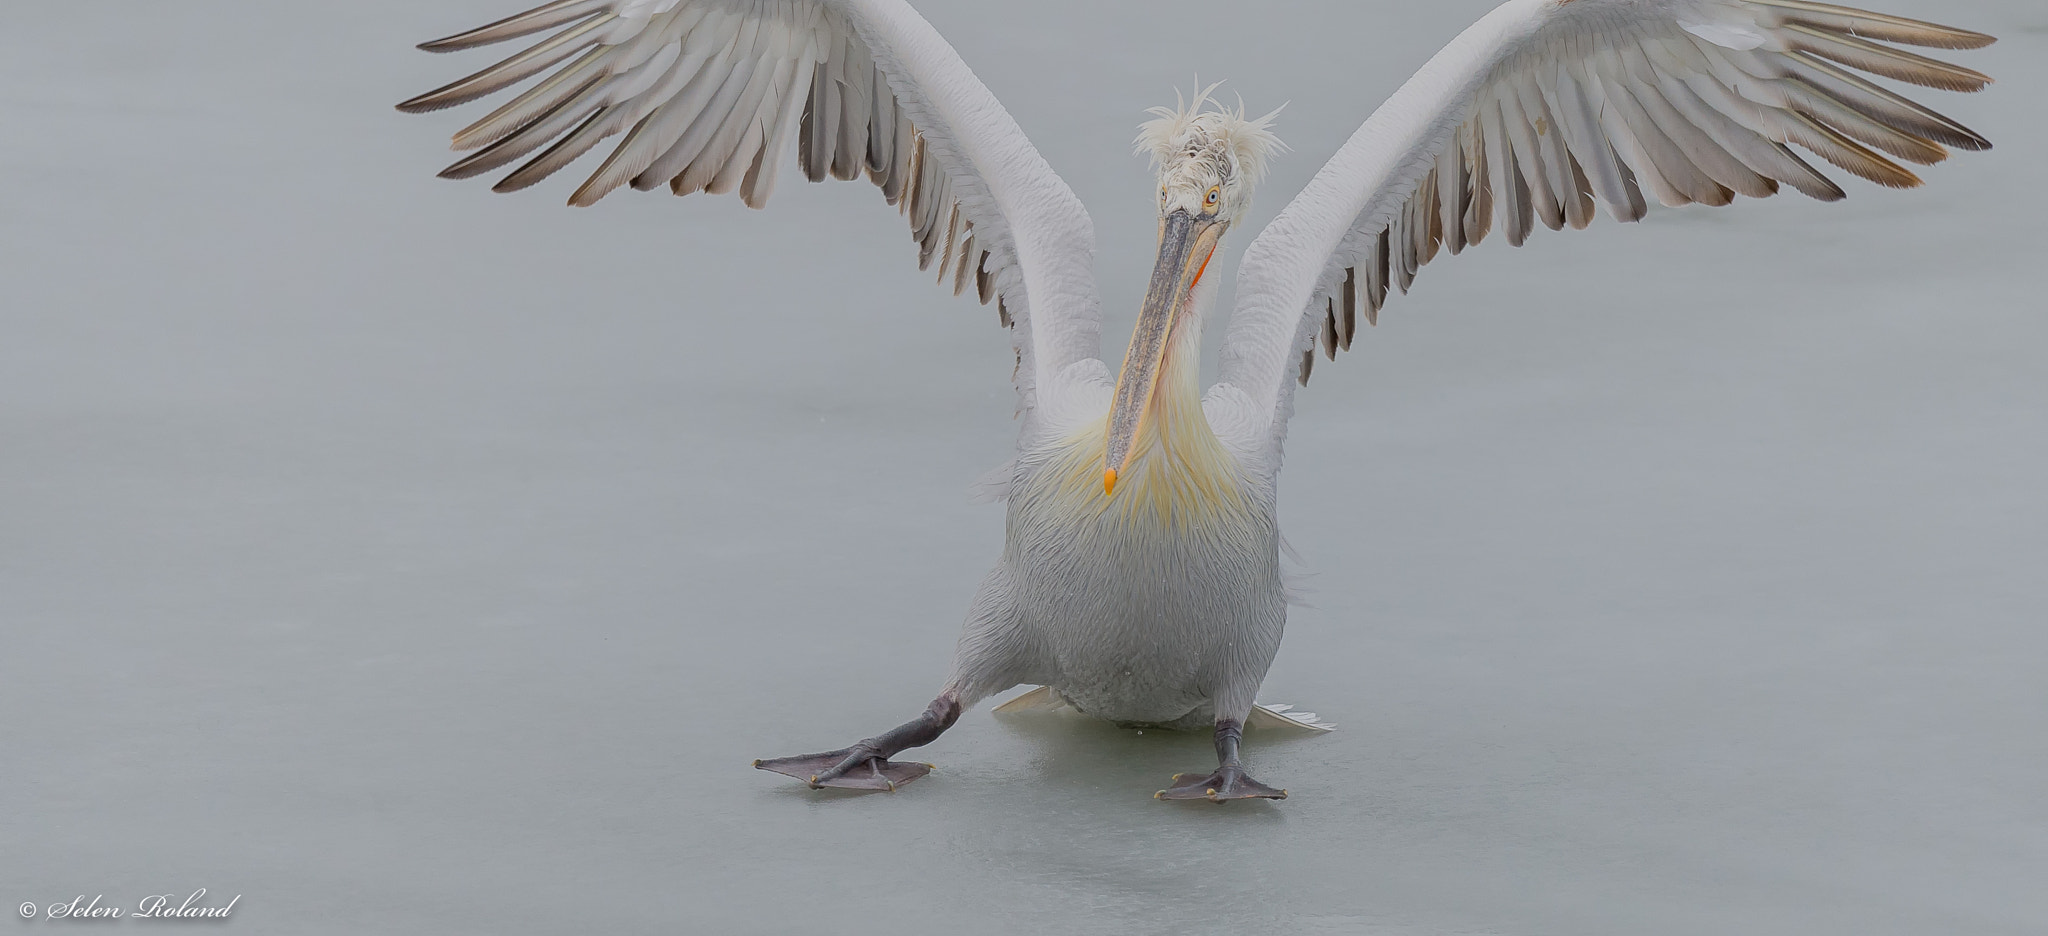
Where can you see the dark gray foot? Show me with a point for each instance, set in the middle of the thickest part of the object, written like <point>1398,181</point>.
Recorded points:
<point>874,773</point>
<point>866,766</point>
<point>1229,782</point>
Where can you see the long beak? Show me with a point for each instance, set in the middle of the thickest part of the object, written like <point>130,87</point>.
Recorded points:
<point>1185,244</point>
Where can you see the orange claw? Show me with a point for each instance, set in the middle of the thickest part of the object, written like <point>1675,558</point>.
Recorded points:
<point>1109,482</point>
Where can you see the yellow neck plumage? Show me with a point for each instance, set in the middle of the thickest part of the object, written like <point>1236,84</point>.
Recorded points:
<point>1179,473</point>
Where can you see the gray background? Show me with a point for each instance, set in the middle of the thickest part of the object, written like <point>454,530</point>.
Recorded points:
<point>409,559</point>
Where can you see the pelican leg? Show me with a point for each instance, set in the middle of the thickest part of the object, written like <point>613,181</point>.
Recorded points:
<point>866,766</point>
<point>1229,782</point>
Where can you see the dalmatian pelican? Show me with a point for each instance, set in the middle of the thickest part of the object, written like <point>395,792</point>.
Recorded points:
<point>1140,578</point>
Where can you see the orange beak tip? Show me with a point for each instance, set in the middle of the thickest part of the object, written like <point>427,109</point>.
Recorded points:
<point>1109,482</point>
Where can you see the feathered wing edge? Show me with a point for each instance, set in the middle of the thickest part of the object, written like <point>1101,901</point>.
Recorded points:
<point>710,96</point>
<point>1545,109</point>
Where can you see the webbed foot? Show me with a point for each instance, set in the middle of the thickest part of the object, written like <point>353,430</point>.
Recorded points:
<point>866,766</point>
<point>1226,784</point>
<point>832,770</point>
<point>1229,782</point>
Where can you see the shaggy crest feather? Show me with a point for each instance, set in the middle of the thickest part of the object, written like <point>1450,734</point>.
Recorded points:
<point>1241,146</point>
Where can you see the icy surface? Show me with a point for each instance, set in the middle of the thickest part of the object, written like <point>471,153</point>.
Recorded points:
<point>409,559</point>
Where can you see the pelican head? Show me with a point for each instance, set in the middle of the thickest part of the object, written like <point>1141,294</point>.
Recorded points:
<point>1209,159</point>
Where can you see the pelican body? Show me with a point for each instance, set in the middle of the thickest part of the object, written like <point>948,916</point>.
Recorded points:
<point>1153,606</point>
<point>1140,578</point>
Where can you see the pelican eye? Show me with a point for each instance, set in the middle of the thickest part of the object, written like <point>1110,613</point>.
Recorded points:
<point>1215,194</point>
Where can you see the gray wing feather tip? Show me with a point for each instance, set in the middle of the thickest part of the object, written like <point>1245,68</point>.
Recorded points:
<point>518,24</point>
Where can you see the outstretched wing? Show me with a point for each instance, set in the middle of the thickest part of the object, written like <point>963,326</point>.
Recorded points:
<point>712,94</point>
<point>1545,107</point>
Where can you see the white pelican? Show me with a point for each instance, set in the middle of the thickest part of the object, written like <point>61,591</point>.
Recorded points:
<point>1140,577</point>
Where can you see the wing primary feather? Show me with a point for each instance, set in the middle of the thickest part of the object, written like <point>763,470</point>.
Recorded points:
<point>881,127</point>
<point>1449,195</point>
<point>1577,99</point>
<point>674,105</point>
<point>654,133</point>
<point>1376,261</point>
<point>1525,202</point>
<point>520,112</point>
<point>1405,264</point>
<point>749,124</point>
<point>736,166</point>
<point>1404,259</point>
<point>1869,25</point>
<point>617,168</point>
<point>1579,211</point>
<point>717,170</point>
<point>510,71</point>
<point>1759,108</point>
<point>1649,169</point>
<point>1557,161</point>
<point>928,232</point>
<point>919,190</point>
<point>811,155</point>
<point>831,119</point>
<point>945,252</point>
<point>1436,218</point>
<point>1881,104</point>
<point>1431,221</point>
<point>1882,60</point>
<point>1807,100</point>
<point>1704,151</point>
<point>1655,151</point>
<point>689,164</point>
<point>1478,213</point>
<point>1846,153</point>
<point>1809,181</point>
<point>1645,144</point>
<point>943,207</point>
<point>532,21</point>
<point>532,136</point>
<point>694,161</point>
<point>965,265</point>
<point>696,114</point>
<point>1512,187</point>
<point>1637,206</point>
<point>856,101</point>
<point>1330,329</point>
<point>924,210</point>
<point>1574,191</point>
<point>938,197</point>
<point>1347,326</point>
<point>563,152</point>
<point>1531,154</point>
<point>908,172</point>
<point>899,166</point>
<point>760,181</point>
<point>1704,96</point>
<point>984,281</point>
<point>1508,193</point>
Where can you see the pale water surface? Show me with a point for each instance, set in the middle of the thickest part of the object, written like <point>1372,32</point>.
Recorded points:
<point>408,559</point>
